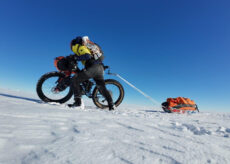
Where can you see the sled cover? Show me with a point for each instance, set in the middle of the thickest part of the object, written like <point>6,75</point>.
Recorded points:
<point>179,105</point>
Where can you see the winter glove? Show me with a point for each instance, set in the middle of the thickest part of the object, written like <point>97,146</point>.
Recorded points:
<point>72,62</point>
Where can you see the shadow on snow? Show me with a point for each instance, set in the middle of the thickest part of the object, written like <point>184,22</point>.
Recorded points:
<point>20,97</point>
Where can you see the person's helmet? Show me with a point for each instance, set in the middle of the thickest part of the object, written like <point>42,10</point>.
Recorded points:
<point>77,40</point>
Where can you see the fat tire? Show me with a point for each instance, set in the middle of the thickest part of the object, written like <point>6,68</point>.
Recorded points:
<point>118,101</point>
<point>42,96</point>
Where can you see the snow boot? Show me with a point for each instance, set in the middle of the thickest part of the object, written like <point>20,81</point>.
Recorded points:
<point>112,107</point>
<point>77,104</point>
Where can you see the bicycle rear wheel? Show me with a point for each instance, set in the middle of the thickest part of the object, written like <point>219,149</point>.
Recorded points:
<point>115,89</point>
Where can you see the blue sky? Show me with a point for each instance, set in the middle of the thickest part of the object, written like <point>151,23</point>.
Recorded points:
<point>166,48</point>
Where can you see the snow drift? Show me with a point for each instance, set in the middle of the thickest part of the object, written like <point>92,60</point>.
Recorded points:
<point>33,133</point>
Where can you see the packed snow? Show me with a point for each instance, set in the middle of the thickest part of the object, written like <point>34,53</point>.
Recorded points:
<point>32,132</point>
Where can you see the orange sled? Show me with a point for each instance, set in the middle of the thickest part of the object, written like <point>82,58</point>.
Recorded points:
<point>179,105</point>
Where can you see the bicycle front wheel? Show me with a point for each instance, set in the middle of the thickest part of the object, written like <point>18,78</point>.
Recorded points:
<point>50,88</point>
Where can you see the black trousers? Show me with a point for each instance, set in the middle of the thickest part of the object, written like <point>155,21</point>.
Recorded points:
<point>96,71</point>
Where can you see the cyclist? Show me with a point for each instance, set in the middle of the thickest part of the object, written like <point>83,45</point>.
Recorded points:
<point>91,57</point>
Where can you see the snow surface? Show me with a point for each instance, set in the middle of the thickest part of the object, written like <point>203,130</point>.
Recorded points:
<point>32,132</point>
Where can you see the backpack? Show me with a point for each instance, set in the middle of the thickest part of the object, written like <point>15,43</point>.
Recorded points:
<point>179,105</point>
<point>99,48</point>
<point>94,47</point>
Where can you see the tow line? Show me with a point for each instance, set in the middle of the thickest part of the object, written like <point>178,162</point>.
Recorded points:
<point>131,85</point>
